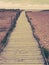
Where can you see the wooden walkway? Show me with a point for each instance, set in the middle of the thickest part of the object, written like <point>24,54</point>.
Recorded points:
<point>22,48</point>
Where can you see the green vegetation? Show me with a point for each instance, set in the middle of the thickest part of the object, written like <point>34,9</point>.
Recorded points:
<point>46,52</point>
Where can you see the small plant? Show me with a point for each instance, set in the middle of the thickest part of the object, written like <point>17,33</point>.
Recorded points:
<point>46,52</point>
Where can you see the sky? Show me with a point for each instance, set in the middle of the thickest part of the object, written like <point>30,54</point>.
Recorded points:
<point>26,4</point>
<point>29,1</point>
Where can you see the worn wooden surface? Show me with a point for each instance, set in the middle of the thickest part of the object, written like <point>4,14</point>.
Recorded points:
<point>22,48</point>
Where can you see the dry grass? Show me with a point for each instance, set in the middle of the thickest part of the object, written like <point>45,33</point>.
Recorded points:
<point>40,22</point>
<point>7,18</point>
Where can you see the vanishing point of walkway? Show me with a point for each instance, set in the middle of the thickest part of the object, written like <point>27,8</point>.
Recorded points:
<point>22,48</point>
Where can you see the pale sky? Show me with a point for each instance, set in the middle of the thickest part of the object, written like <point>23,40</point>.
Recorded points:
<point>25,4</point>
<point>29,1</point>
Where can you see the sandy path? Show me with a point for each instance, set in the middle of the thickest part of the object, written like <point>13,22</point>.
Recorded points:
<point>22,48</point>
